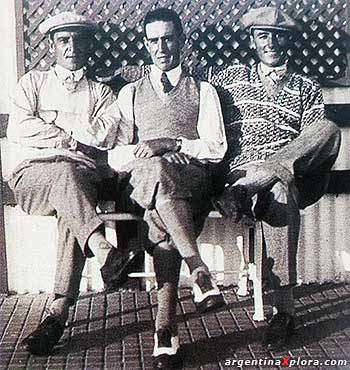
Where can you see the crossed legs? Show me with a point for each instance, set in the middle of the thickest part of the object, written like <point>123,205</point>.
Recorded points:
<point>175,199</point>
<point>296,176</point>
<point>280,213</point>
<point>68,191</point>
<point>277,206</point>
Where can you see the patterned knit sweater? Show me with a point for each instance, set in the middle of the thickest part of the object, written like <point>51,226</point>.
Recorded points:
<point>258,124</point>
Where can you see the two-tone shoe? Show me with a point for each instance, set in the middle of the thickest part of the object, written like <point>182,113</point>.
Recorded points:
<point>206,294</point>
<point>165,351</point>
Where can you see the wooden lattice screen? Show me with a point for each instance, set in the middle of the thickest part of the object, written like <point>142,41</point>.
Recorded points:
<point>212,28</point>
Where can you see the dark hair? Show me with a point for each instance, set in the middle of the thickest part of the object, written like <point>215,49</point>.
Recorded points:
<point>165,15</point>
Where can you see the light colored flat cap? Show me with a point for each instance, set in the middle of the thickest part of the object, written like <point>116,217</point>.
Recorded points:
<point>269,17</point>
<point>66,20</point>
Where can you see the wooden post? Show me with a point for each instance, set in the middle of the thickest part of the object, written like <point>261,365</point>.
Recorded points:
<point>20,53</point>
<point>3,259</point>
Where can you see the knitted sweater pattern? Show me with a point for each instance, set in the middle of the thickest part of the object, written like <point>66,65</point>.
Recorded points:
<point>172,114</point>
<point>258,124</point>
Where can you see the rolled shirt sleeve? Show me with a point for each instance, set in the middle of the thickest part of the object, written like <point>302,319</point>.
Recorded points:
<point>126,105</point>
<point>123,152</point>
<point>211,144</point>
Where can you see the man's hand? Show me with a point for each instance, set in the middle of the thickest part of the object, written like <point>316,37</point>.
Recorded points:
<point>176,157</point>
<point>155,147</point>
<point>256,178</point>
<point>48,116</point>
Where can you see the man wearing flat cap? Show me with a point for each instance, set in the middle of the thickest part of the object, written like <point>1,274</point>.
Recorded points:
<point>60,124</point>
<point>281,147</point>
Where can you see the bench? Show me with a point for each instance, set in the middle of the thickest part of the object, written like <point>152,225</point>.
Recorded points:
<point>109,216</point>
<point>339,184</point>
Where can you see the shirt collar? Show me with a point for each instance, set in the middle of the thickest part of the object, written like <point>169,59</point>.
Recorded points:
<point>173,75</point>
<point>64,74</point>
<point>267,70</point>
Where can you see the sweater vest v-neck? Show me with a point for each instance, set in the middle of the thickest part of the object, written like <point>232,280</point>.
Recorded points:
<point>170,115</point>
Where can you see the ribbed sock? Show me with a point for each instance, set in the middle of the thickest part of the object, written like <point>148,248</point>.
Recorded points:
<point>177,216</point>
<point>99,246</point>
<point>60,308</point>
<point>195,263</point>
<point>167,264</point>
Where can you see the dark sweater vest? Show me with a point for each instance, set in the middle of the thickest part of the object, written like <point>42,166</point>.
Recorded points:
<point>166,115</point>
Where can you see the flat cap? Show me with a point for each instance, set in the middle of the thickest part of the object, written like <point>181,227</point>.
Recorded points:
<point>269,17</point>
<point>66,20</point>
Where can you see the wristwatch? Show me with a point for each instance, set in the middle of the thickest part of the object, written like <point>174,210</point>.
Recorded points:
<point>178,144</point>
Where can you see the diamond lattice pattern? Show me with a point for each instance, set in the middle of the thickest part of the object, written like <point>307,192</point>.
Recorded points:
<point>211,26</point>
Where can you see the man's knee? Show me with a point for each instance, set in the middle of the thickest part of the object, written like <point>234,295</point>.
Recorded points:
<point>279,205</point>
<point>334,135</point>
<point>332,130</point>
<point>73,175</point>
<point>67,171</point>
<point>157,168</point>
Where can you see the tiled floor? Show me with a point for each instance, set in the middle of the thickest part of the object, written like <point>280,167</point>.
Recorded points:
<point>114,331</point>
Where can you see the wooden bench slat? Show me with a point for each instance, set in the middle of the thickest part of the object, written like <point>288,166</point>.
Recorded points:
<point>119,216</point>
<point>125,216</point>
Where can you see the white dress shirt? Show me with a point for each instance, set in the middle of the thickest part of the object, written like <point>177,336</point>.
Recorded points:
<point>65,74</point>
<point>211,144</point>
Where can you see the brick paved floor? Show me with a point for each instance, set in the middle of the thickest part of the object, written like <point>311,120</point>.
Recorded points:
<point>115,331</point>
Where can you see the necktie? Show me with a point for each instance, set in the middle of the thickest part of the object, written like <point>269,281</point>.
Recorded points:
<point>69,82</point>
<point>167,86</point>
<point>276,74</point>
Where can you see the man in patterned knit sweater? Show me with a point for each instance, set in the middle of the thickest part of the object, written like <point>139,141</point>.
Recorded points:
<point>280,149</point>
<point>179,130</point>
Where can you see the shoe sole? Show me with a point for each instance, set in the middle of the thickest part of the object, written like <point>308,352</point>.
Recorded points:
<point>210,303</point>
<point>33,350</point>
<point>280,343</point>
<point>169,361</point>
<point>42,341</point>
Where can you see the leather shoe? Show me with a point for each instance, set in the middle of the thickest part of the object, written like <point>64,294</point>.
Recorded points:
<point>234,203</point>
<point>207,295</point>
<point>166,345</point>
<point>42,340</point>
<point>279,330</point>
<point>115,270</point>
